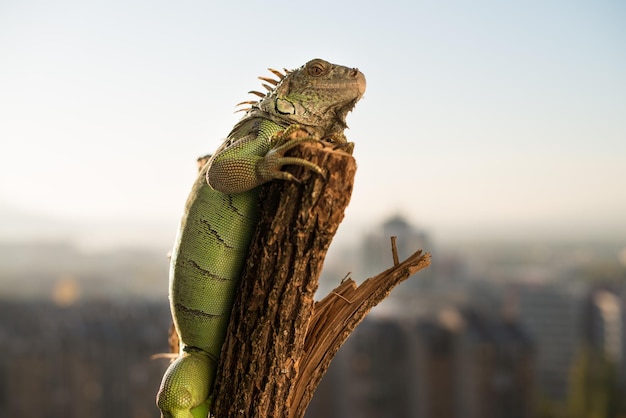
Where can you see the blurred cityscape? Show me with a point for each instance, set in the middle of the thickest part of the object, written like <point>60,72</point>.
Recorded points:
<point>517,329</point>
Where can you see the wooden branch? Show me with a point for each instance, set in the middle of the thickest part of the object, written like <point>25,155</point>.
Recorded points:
<point>279,342</point>
<point>394,250</point>
<point>334,319</point>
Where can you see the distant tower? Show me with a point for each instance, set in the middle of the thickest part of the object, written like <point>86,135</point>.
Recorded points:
<point>376,252</point>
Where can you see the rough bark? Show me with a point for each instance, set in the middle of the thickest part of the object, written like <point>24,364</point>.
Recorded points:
<point>280,343</point>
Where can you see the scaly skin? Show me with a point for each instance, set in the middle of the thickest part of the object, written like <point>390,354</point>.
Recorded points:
<point>308,104</point>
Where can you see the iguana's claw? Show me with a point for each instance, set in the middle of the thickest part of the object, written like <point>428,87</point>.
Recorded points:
<point>339,142</point>
<point>345,146</point>
<point>302,163</point>
<point>294,132</point>
<point>273,161</point>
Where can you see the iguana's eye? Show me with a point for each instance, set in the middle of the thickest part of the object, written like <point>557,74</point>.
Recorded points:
<point>316,69</point>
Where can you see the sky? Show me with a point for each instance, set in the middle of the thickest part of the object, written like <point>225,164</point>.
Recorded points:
<point>480,118</point>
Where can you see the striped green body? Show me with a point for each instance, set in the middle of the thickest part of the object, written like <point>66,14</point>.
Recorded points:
<point>220,216</point>
<point>210,251</point>
<point>208,256</point>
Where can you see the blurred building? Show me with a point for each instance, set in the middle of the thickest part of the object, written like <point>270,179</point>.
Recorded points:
<point>456,364</point>
<point>370,377</point>
<point>89,359</point>
<point>605,326</point>
<point>552,314</point>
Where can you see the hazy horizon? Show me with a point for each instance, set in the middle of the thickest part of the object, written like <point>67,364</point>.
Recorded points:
<point>481,120</point>
<point>111,234</point>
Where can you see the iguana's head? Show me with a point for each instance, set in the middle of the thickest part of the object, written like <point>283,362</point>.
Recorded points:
<point>318,94</point>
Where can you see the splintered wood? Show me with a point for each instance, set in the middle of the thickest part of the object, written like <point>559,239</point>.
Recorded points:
<point>280,342</point>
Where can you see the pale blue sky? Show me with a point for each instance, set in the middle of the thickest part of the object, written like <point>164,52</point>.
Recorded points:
<point>480,117</point>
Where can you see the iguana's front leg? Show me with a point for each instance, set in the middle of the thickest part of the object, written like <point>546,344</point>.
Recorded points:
<point>248,162</point>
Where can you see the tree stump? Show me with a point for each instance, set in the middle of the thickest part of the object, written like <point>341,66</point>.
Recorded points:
<point>280,343</point>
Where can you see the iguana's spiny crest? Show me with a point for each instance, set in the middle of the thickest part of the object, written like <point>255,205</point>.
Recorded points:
<point>318,94</point>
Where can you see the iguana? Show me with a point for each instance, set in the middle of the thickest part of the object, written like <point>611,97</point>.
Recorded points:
<point>307,104</point>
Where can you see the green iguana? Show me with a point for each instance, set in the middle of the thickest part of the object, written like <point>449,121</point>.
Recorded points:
<point>307,104</point>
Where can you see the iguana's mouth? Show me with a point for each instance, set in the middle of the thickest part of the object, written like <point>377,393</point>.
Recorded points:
<point>358,83</point>
<point>361,83</point>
